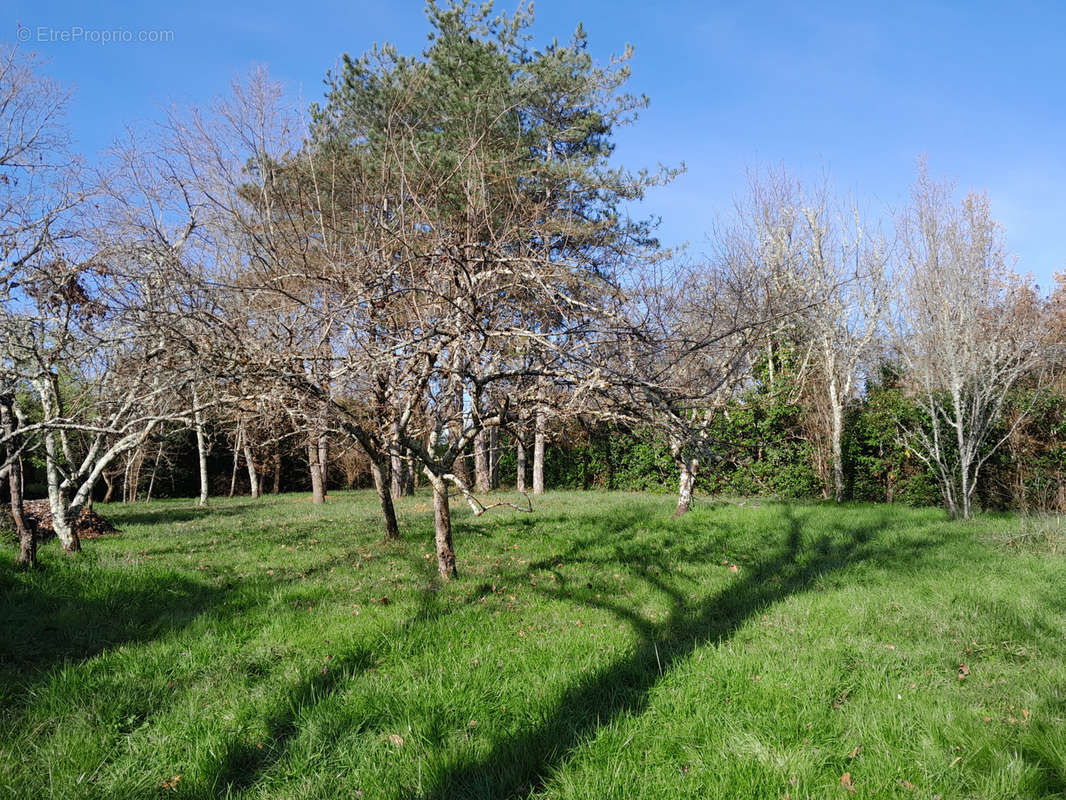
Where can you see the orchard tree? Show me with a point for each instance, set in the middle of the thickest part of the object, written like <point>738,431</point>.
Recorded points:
<point>499,230</point>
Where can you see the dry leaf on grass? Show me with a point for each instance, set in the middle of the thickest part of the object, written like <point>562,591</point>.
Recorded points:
<point>845,781</point>
<point>170,784</point>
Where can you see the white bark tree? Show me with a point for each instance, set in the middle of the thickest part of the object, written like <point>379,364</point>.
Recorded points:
<point>836,266</point>
<point>968,329</point>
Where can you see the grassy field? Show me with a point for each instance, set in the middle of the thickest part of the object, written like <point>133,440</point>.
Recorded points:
<point>595,649</point>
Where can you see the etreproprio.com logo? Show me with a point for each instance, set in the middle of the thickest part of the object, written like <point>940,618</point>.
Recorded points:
<point>80,34</point>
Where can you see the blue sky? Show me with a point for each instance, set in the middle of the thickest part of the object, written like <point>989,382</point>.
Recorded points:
<point>857,91</point>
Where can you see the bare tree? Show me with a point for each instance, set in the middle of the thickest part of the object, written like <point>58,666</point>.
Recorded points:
<point>968,330</point>
<point>836,269</point>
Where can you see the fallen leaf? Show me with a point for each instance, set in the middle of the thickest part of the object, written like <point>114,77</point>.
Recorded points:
<point>396,740</point>
<point>845,781</point>
<point>855,752</point>
<point>734,568</point>
<point>171,784</point>
<point>964,672</point>
<point>907,785</point>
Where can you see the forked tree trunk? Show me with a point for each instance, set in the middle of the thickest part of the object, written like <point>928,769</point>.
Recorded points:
<point>201,446</point>
<point>58,503</point>
<point>442,528</point>
<point>63,525</point>
<point>109,481</point>
<point>26,530</point>
<point>540,425</point>
<point>384,489</point>
<point>482,480</point>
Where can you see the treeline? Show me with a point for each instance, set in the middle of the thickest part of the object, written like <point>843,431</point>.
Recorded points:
<point>768,444</point>
<point>433,277</point>
<point>768,450</point>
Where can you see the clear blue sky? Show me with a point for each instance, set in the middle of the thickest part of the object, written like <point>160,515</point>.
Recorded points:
<point>855,90</point>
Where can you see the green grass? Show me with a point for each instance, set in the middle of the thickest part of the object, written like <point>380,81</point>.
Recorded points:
<point>595,649</point>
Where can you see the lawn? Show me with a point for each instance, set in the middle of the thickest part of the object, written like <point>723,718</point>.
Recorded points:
<point>597,648</point>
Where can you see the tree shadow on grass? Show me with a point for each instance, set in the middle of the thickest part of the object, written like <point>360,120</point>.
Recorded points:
<point>521,765</point>
<point>245,762</point>
<point>62,615</point>
<point>168,515</point>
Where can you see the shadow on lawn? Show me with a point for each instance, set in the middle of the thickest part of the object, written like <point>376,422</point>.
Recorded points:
<point>521,765</point>
<point>49,619</point>
<point>163,515</point>
<point>62,614</point>
<point>244,763</point>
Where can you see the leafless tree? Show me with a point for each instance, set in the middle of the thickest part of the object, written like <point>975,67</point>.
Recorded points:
<point>835,266</point>
<point>968,330</point>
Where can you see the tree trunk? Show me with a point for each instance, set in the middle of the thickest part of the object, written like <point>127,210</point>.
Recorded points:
<point>318,493</point>
<point>201,446</point>
<point>323,463</point>
<point>539,427</point>
<point>442,528</point>
<point>482,482</point>
<point>109,481</point>
<point>26,530</point>
<point>397,484</point>
<point>277,469</point>
<point>238,439</point>
<point>494,457</point>
<point>63,525</point>
<point>460,467</point>
<point>408,476</point>
<point>964,460</point>
<point>58,503</point>
<point>520,465</point>
<point>384,490</point>
<point>253,476</point>
<point>837,443</point>
<point>155,471</point>
<point>687,468</point>
<point>132,482</point>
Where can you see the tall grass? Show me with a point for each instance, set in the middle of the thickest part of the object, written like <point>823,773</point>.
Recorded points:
<point>597,648</point>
